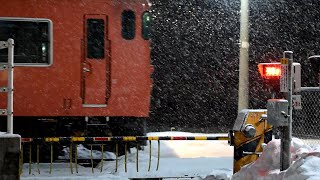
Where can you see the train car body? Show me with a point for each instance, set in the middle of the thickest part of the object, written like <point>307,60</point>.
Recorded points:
<point>94,59</point>
<point>82,68</point>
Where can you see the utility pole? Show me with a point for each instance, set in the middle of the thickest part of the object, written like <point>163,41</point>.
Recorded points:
<point>243,92</point>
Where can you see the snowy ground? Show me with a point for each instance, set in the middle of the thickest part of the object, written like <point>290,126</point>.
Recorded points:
<point>200,159</point>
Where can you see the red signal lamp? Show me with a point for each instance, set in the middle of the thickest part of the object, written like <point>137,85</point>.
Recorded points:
<point>270,70</point>
<point>270,73</point>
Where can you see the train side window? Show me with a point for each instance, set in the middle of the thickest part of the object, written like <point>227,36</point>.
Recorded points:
<point>146,23</point>
<point>128,24</point>
<point>33,41</point>
<point>95,38</point>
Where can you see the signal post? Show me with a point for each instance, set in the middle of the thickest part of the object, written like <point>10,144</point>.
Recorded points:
<point>286,86</point>
<point>287,76</point>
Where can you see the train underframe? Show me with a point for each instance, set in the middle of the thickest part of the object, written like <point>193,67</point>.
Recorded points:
<point>31,127</point>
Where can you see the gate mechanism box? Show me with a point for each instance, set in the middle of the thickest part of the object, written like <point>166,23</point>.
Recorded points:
<point>277,113</point>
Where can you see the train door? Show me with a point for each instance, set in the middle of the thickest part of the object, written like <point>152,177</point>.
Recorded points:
<point>96,61</point>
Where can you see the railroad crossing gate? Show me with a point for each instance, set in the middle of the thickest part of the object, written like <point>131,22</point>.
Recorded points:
<point>249,132</point>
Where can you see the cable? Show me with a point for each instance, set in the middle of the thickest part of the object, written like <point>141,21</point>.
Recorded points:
<point>137,157</point>
<point>117,149</point>
<point>149,155</point>
<point>30,156</point>
<point>125,156</point>
<point>158,155</point>
<point>91,158</point>
<point>102,157</point>
<point>51,156</point>
<point>76,157</point>
<point>21,159</point>
<point>70,156</point>
<point>38,159</point>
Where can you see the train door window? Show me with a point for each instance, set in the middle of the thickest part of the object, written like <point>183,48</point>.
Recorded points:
<point>33,41</point>
<point>128,24</point>
<point>146,23</point>
<point>95,38</point>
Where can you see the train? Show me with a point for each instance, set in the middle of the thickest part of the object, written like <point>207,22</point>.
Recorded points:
<point>82,68</point>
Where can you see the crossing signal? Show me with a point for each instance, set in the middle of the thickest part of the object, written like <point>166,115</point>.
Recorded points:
<point>270,73</point>
<point>270,70</point>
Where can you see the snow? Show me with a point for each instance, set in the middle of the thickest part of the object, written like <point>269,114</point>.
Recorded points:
<point>305,163</point>
<point>84,153</point>
<point>190,159</point>
<point>6,135</point>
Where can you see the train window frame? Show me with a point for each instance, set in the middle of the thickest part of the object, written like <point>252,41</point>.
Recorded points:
<point>123,27</point>
<point>91,54</point>
<point>144,28</point>
<point>49,35</point>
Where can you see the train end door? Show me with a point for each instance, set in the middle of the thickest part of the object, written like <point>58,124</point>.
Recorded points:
<point>96,62</point>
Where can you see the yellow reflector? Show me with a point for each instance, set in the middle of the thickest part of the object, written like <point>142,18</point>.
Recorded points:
<point>129,138</point>
<point>77,139</point>
<point>200,138</point>
<point>153,138</point>
<point>52,139</point>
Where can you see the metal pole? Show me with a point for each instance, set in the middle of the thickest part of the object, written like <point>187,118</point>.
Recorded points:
<point>10,86</point>
<point>286,138</point>
<point>243,94</point>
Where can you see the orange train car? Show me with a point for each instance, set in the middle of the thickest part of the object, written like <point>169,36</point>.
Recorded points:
<point>77,61</point>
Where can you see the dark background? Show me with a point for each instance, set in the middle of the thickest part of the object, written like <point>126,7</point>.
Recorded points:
<point>195,52</point>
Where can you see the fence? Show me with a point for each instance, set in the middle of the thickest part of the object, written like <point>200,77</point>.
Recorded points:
<point>306,125</point>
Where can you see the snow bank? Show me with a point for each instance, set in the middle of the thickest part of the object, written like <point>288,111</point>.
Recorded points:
<point>306,167</point>
<point>84,153</point>
<point>305,163</point>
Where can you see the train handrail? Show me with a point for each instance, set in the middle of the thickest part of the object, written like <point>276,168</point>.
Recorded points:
<point>9,89</point>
